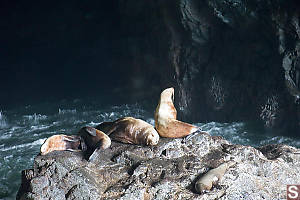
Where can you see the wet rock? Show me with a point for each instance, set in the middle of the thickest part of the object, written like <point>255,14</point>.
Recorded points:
<point>169,170</point>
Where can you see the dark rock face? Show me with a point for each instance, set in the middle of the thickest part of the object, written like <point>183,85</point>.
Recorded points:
<point>229,60</point>
<point>166,171</point>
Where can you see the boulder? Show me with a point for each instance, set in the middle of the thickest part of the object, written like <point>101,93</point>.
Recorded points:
<point>166,171</point>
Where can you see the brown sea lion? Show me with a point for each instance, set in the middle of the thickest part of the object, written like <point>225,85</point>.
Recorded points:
<point>96,142</point>
<point>211,177</point>
<point>132,131</point>
<point>105,126</point>
<point>166,123</point>
<point>62,143</point>
<point>94,138</point>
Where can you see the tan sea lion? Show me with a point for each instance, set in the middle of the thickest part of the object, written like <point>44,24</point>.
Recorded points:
<point>132,131</point>
<point>94,138</point>
<point>166,123</point>
<point>211,177</point>
<point>62,143</point>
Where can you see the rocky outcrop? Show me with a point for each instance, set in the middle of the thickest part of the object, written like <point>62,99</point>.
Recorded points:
<point>231,60</point>
<point>166,171</point>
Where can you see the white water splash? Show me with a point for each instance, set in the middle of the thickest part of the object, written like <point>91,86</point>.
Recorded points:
<point>65,111</point>
<point>34,143</point>
<point>3,120</point>
<point>35,118</point>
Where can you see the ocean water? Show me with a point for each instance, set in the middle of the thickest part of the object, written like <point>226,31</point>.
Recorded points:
<point>23,130</point>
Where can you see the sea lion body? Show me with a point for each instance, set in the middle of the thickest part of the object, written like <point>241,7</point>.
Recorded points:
<point>62,143</point>
<point>94,138</point>
<point>165,116</point>
<point>132,131</point>
<point>105,127</point>
<point>206,182</point>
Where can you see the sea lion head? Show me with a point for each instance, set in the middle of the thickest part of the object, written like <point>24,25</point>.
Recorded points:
<point>167,95</point>
<point>152,137</point>
<point>202,188</point>
<point>95,138</point>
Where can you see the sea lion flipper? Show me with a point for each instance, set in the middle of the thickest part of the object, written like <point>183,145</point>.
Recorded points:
<point>94,155</point>
<point>61,143</point>
<point>105,127</point>
<point>111,130</point>
<point>121,138</point>
<point>90,130</point>
<point>70,139</point>
<point>179,129</point>
<point>188,137</point>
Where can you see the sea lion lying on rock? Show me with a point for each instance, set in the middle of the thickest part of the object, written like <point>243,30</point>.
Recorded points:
<point>166,123</point>
<point>211,177</point>
<point>63,143</point>
<point>95,140</point>
<point>130,130</point>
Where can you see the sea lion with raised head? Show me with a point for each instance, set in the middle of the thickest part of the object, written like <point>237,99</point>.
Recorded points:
<point>206,182</point>
<point>165,115</point>
<point>94,138</point>
<point>132,131</point>
<point>62,143</point>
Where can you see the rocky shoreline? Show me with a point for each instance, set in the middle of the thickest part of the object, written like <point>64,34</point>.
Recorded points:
<point>168,170</point>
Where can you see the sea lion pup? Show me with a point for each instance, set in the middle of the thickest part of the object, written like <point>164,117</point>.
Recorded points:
<point>165,118</point>
<point>211,177</point>
<point>62,143</point>
<point>132,131</point>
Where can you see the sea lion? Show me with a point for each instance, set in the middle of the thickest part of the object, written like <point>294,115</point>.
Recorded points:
<point>94,138</point>
<point>105,127</point>
<point>165,115</point>
<point>132,131</point>
<point>211,177</point>
<point>62,143</point>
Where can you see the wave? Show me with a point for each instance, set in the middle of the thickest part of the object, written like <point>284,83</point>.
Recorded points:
<point>34,143</point>
<point>38,127</point>
<point>93,124</point>
<point>280,140</point>
<point>35,118</point>
<point>66,111</point>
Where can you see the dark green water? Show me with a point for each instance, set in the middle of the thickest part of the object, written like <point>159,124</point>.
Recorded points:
<point>24,129</point>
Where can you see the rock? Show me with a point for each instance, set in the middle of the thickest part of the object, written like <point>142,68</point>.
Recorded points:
<point>166,171</point>
<point>233,60</point>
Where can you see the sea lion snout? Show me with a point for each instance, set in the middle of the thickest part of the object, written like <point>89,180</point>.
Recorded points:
<point>152,138</point>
